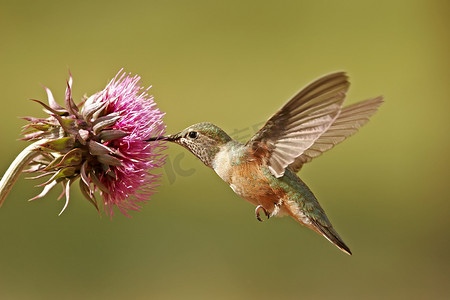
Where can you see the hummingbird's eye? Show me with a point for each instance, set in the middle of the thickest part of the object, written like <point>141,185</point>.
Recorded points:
<point>193,134</point>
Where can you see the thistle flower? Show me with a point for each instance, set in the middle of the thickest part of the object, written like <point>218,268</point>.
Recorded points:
<point>101,142</point>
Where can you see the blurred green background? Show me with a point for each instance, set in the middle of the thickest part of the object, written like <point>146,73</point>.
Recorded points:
<point>235,63</point>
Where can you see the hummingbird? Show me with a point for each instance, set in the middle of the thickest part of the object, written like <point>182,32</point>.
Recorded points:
<point>263,171</point>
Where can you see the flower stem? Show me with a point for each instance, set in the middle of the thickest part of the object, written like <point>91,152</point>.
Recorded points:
<point>16,168</point>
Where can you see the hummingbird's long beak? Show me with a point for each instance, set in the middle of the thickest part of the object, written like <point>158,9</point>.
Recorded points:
<point>169,138</point>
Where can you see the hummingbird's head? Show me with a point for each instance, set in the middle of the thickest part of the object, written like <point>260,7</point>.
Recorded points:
<point>202,139</point>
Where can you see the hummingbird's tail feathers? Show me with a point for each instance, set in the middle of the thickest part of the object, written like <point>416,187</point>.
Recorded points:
<point>347,124</point>
<point>330,234</point>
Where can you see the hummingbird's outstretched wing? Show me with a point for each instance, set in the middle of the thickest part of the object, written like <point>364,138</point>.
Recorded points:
<point>347,123</point>
<point>301,121</point>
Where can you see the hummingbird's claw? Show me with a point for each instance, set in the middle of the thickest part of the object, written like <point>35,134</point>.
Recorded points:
<point>264,210</point>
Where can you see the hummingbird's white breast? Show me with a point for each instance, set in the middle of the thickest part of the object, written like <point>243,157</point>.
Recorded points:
<point>229,164</point>
<point>222,164</point>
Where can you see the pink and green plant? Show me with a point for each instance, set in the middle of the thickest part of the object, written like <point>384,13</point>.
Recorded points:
<point>100,142</point>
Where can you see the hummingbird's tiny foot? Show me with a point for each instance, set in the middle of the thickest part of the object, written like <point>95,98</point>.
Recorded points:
<point>268,215</point>
<point>257,213</point>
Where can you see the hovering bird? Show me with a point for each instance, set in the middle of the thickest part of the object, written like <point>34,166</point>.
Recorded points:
<point>263,170</point>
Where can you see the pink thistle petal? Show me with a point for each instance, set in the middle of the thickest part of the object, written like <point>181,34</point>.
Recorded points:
<point>139,117</point>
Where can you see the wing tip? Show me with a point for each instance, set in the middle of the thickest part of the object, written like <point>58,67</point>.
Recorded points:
<point>340,73</point>
<point>378,100</point>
